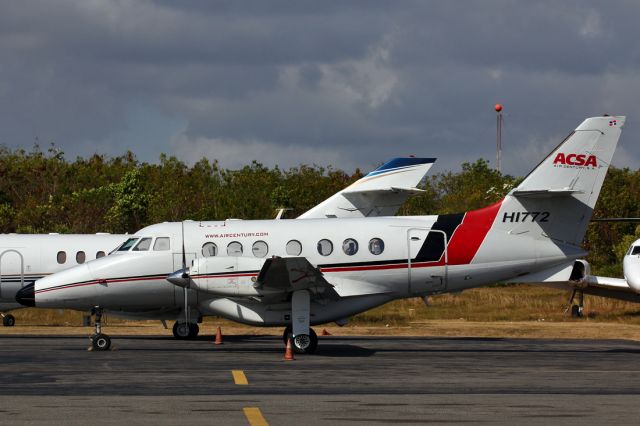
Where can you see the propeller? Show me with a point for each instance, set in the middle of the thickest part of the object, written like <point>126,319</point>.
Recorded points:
<point>182,279</point>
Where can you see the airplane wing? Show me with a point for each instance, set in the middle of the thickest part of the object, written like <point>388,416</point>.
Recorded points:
<point>288,274</point>
<point>613,288</point>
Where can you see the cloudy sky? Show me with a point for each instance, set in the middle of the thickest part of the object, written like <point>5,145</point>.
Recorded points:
<point>347,84</point>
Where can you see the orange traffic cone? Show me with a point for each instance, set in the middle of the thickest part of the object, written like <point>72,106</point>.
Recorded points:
<point>325,332</point>
<point>288,354</point>
<point>218,337</point>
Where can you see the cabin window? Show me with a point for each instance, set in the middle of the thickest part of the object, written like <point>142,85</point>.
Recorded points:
<point>161,244</point>
<point>234,249</point>
<point>143,245</point>
<point>636,250</point>
<point>260,249</point>
<point>376,246</point>
<point>209,249</point>
<point>80,257</point>
<point>325,247</point>
<point>350,246</point>
<point>128,244</point>
<point>61,257</point>
<point>294,248</point>
<point>99,254</point>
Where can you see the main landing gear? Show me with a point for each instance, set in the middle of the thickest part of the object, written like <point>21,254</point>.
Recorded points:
<point>303,338</point>
<point>185,330</point>
<point>577,310</point>
<point>8,320</point>
<point>99,340</point>
<point>302,343</point>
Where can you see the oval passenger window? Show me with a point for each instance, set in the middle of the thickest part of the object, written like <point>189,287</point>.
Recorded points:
<point>376,246</point>
<point>260,249</point>
<point>294,248</point>
<point>209,249</point>
<point>61,257</point>
<point>325,247</point>
<point>234,249</point>
<point>80,257</point>
<point>350,246</point>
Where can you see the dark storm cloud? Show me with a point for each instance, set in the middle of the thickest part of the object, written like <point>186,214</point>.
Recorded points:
<point>346,83</point>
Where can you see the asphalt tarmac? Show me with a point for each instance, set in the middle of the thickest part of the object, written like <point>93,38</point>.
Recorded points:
<point>350,380</point>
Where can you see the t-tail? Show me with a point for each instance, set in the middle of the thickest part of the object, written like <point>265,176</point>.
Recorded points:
<point>539,226</point>
<point>557,198</point>
<point>380,193</point>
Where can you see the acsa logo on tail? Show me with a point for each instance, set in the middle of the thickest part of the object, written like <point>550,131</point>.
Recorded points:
<point>582,160</point>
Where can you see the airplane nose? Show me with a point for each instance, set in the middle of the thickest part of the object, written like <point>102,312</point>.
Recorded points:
<point>26,296</point>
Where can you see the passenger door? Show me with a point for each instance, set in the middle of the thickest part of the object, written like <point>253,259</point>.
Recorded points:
<point>427,261</point>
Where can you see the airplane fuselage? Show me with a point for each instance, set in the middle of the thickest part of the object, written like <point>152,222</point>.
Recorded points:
<point>368,261</point>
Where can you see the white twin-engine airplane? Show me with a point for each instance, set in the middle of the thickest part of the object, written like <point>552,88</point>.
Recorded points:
<point>297,273</point>
<point>25,258</point>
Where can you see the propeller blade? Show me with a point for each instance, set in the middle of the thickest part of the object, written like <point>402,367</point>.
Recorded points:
<point>184,254</point>
<point>184,278</point>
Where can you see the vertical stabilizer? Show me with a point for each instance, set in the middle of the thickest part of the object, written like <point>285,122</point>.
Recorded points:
<point>380,193</point>
<point>557,198</point>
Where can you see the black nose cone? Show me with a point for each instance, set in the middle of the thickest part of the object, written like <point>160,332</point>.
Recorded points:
<point>26,296</point>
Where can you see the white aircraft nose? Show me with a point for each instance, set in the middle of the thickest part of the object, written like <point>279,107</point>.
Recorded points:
<point>64,289</point>
<point>631,267</point>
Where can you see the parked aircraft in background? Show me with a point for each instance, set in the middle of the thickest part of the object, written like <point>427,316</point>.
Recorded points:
<point>298,273</point>
<point>25,258</point>
<point>582,282</point>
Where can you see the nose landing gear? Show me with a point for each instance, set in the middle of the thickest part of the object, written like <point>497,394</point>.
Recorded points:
<point>8,320</point>
<point>99,340</point>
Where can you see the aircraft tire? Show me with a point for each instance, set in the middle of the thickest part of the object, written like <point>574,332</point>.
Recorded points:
<point>286,334</point>
<point>575,311</point>
<point>181,330</point>
<point>101,342</point>
<point>194,329</point>
<point>302,344</point>
<point>9,320</point>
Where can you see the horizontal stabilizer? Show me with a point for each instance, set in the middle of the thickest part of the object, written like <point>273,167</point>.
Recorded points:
<point>380,193</point>
<point>390,190</point>
<point>544,193</point>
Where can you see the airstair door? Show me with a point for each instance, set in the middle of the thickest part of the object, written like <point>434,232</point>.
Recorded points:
<point>427,261</point>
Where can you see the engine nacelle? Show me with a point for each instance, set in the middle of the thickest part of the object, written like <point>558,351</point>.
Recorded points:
<point>226,276</point>
<point>581,270</point>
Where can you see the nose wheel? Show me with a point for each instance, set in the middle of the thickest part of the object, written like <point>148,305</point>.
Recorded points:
<point>99,340</point>
<point>8,320</point>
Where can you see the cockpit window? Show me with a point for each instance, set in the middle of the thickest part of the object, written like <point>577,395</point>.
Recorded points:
<point>161,244</point>
<point>128,244</point>
<point>635,250</point>
<point>143,245</point>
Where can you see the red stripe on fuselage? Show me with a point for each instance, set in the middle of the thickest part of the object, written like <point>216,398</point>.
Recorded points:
<point>470,234</point>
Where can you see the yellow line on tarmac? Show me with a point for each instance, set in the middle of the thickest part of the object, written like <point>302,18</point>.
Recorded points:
<point>254,416</point>
<point>239,378</point>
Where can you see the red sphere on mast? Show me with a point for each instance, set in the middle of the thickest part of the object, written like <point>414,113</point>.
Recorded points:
<point>498,107</point>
